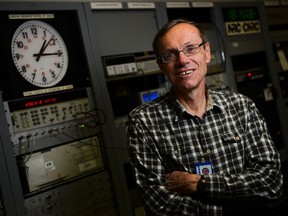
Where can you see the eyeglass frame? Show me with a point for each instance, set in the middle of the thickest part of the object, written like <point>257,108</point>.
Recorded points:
<point>176,52</point>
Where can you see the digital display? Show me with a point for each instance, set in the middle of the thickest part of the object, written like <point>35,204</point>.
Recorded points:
<point>240,14</point>
<point>40,102</point>
<point>149,96</point>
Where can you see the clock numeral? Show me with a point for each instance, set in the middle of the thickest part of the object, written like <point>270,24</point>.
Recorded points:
<point>34,31</point>
<point>59,53</point>
<point>19,44</point>
<point>23,69</point>
<point>24,35</point>
<point>44,79</point>
<point>53,41</point>
<point>53,74</point>
<point>18,56</point>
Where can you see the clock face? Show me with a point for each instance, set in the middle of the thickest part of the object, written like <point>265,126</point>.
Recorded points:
<point>39,53</point>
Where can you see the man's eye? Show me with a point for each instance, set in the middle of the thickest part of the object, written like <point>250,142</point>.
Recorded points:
<point>170,55</point>
<point>190,49</point>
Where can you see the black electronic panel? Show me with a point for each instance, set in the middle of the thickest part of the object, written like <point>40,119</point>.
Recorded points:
<point>199,15</point>
<point>1,206</point>
<point>253,81</point>
<point>38,28</point>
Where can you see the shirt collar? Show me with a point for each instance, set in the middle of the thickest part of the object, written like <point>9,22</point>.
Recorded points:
<point>214,101</point>
<point>212,104</point>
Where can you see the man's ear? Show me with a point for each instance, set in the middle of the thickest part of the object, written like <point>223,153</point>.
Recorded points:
<point>207,52</point>
<point>160,65</point>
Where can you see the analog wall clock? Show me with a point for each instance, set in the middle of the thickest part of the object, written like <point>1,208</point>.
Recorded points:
<point>39,53</point>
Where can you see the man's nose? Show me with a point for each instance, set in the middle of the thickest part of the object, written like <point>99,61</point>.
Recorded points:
<point>182,58</point>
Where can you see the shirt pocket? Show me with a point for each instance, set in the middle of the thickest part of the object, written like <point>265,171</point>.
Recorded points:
<point>179,157</point>
<point>232,153</point>
<point>231,137</point>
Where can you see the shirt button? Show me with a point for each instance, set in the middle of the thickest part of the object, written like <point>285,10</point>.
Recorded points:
<point>176,152</point>
<point>237,138</point>
<point>202,128</point>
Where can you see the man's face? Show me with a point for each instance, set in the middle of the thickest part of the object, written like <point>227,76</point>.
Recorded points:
<point>186,73</point>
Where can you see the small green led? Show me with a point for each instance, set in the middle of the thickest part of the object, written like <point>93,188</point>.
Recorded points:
<point>81,125</point>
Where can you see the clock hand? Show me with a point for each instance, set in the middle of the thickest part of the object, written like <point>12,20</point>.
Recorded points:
<point>43,48</point>
<point>45,54</point>
<point>44,42</point>
<point>38,55</point>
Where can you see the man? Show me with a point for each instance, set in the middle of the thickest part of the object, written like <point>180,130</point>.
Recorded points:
<point>190,127</point>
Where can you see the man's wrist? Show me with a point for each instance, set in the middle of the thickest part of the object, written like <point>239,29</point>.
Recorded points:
<point>201,185</point>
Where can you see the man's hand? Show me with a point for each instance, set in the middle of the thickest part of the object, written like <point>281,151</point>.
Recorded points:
<point>182,182</point>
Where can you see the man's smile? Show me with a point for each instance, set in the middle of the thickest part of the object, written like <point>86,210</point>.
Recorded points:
<point>183,73</point>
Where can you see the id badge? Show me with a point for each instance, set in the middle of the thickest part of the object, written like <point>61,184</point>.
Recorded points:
<point>204,168</point>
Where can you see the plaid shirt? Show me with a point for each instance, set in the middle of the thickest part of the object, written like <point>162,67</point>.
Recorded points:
<point>163,137</point>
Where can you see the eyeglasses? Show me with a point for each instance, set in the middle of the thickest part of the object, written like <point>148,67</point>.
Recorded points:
<point>173,55</point>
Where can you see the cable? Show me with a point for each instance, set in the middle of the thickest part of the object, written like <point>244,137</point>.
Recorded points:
<point>97,123</point>
<point>27,158</point>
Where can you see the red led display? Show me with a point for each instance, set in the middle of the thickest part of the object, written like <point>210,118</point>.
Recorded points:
<point>40,102</point>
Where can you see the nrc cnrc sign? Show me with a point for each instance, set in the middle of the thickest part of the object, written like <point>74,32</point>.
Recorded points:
<point>243,27</point>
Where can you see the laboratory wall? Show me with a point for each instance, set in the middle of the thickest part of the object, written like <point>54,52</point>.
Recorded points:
<point>63,147</point>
